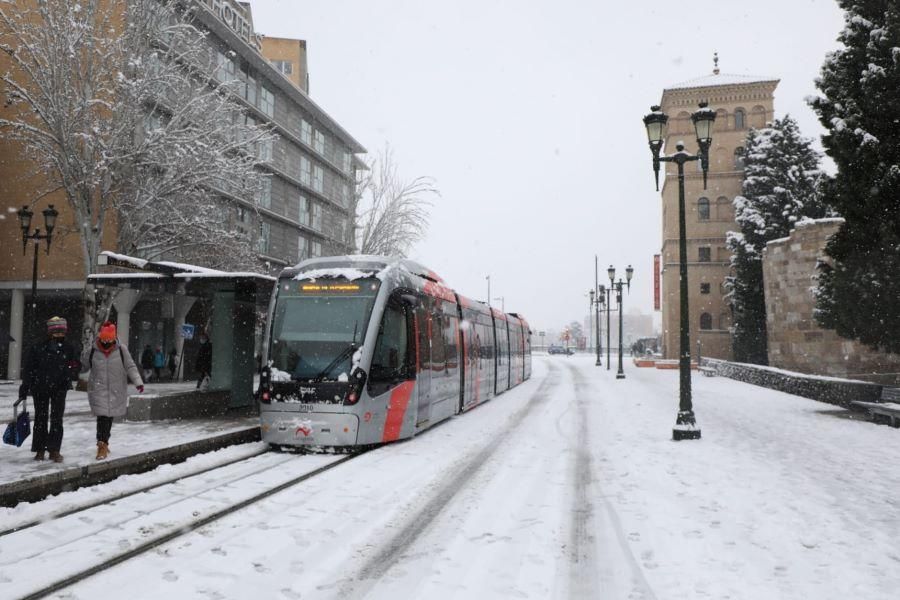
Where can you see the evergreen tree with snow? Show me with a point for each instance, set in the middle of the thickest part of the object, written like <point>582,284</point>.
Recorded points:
<point>780,188</point>
<point>859,286</point>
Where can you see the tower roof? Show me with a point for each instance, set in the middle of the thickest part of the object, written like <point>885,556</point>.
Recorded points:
<point>719,79</point>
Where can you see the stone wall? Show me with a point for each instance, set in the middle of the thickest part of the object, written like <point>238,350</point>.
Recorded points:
<point>796,341</point>
<point>840,392</point>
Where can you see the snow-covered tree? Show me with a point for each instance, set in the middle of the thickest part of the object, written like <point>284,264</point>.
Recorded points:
<point>859,287</point>
<point>391,214</point>
<point>781,183</point>
<point>114,105</point>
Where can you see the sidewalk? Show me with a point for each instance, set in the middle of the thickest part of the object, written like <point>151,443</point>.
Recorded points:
<point>129,439</point>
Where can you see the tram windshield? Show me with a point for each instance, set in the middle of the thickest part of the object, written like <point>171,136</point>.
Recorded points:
<point>318,326</point>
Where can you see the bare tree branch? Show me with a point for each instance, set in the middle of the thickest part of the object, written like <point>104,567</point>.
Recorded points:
<point>391,214</point>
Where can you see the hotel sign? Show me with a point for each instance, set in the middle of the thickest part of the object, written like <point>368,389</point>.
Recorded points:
<point>232,16</point>
<point>656,258</point>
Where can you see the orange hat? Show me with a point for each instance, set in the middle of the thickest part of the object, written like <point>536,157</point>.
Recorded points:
<point>107,332</point>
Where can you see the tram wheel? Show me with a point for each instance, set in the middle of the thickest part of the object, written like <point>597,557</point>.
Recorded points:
<point>276,448</point>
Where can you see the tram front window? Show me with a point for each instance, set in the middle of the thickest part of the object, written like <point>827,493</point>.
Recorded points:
<point>319,326</point>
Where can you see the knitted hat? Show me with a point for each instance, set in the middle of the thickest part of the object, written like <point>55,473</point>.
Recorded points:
<point>107,332</point>
<point>57,325</point>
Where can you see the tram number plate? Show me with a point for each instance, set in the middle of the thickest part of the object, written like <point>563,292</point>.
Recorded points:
<point>306,408</point>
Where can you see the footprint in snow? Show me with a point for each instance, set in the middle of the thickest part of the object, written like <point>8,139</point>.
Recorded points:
<point>170,576</point>
<point>261,568</point>
<point>219,552</point>
<point>634,536</point>
<point>291,594</point>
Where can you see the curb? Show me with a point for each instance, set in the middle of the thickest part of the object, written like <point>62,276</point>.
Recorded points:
<point>38,488</point>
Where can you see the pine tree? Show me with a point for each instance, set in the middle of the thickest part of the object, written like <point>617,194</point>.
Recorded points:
<point>780,188</point>
<point>859,287</point>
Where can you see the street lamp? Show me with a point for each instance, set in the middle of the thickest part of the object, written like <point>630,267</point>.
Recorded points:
<point>604,300</point>
<point>617,287</point>
<point>685,424</point>
<point>25,217</point>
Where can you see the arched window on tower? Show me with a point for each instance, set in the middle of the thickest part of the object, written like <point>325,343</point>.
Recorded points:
<point>705,321</point>
<point>739,158</point>
<point>739,120</point>
<point>703,209</point>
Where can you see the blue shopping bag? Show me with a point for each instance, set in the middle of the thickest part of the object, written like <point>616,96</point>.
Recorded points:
<point>20,427</point>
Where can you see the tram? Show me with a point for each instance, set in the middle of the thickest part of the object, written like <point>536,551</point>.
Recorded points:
<point>364,350</point>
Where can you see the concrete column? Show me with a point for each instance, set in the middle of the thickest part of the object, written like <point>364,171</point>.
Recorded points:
<point>125,302</point>
<point>16,320</point>
<point>183,305</point>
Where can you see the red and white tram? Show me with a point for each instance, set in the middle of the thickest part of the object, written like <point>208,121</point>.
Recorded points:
<point>365,350</point>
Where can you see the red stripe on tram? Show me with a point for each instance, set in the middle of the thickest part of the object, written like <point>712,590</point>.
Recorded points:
<point>397,410</point>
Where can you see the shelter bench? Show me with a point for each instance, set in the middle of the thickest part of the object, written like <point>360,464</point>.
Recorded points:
<point>709,371</point>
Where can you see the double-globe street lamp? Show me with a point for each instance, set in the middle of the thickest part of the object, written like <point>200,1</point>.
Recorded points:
<point>597,302</point>
<point>655,122</point>
<point>25,217</point>
<point>617,286</point>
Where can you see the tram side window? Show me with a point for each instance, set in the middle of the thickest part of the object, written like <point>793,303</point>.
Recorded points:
<point>389,359</point>
<point>438,356</point>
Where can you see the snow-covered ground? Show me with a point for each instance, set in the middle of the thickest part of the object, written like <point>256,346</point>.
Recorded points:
<point>567,487</point>
<point>79,446</point>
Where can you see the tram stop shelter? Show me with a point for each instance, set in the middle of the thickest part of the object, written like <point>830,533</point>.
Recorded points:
<point>236,301</point>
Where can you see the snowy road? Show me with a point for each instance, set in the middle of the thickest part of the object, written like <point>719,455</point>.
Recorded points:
<point>567,487</point>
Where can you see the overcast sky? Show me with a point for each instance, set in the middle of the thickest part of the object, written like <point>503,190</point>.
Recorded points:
<point>528,115</point>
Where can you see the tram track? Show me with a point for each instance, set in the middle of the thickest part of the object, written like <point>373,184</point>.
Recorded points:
<point>591,549</point>
<point>123,495</point>
<point>394,549</point>
<point>182,529</point>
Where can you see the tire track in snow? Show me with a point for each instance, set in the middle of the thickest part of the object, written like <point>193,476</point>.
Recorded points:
<point>595,561</point>
<point>393,551</point>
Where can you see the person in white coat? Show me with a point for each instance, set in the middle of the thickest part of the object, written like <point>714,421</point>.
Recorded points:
<point>111,367</point>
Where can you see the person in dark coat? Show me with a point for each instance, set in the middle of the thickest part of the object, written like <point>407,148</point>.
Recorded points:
<point>147,362</point>
<point>172,365</point>
<point>204,360</point>
<point>50,369</point>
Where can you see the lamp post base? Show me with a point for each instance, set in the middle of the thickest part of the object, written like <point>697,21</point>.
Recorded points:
<point>686,427</point>
<point>620,375</point>
<point>598,363</point>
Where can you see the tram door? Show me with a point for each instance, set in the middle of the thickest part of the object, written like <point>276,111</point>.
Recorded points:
<point>423,327</point>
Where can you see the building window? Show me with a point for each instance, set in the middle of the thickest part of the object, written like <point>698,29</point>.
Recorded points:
<point>225,68</point>
<point>319,144</point>
<point>706,321</point>
<point>739,119</point>
<point>704,288</point>
<point>345,194</point>
<point>303,217</point>
<point>316,211</point>
<point>305,170</point>
<point>267,102</point>
<point>739,158</point>
<point>305,132</point>
<point>249,91</point>
<point>315,249</point>
<point>265,234</point>
<point>345,161</point>
<point>285,67</point>
<point>705,254</point>
<point>318,178</point>
<point>724,320</point>
<point>703,209</point>
<point>302,249</point>
<point>264,196</point>
<point>264,149</point>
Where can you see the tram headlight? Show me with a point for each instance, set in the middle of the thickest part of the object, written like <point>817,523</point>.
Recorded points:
<point>265,386</point>
<point>357,383</point>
